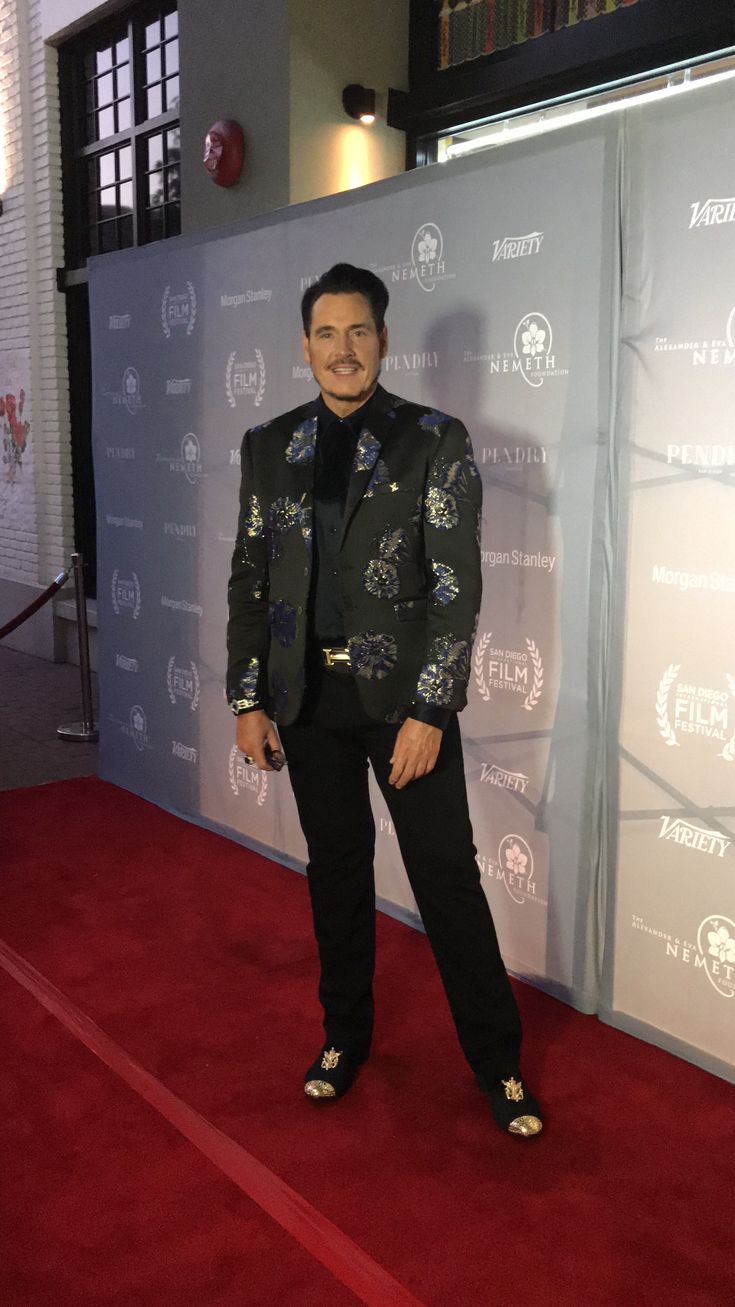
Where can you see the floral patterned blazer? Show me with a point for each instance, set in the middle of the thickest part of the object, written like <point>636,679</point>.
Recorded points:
<point>409,575</point>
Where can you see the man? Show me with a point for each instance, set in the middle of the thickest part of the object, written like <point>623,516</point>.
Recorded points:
<point>354,597</point>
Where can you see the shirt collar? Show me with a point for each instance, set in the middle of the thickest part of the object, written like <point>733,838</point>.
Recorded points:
<point>354,421</point>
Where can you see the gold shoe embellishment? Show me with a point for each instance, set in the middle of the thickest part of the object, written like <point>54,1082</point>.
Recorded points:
<point>319,1089</point>
<point>513,1090</point>
<point>526,1126</point>
<point>330,1059</point>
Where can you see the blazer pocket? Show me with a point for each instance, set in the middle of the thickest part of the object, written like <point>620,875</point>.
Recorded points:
<point>411,610</point>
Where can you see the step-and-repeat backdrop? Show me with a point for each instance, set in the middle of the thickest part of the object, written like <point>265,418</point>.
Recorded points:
<point>505,289</point>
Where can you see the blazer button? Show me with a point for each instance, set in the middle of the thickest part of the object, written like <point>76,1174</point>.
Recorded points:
<point>299,610</point>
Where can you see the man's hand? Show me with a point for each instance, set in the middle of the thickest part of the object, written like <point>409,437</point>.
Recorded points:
<point>254,731</point>
<point>415,753</point>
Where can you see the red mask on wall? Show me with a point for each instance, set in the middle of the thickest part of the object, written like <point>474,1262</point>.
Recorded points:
<point>224,151</point>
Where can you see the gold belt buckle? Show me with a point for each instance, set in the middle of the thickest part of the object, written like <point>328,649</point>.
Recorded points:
<point>334,656</point>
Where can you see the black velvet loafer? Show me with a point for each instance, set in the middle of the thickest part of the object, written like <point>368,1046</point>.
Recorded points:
<point>514,1109</point>
<point>332,1073</point>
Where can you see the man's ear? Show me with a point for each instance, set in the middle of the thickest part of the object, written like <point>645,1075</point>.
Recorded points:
<point>305,344</point>
<point>383,341</point>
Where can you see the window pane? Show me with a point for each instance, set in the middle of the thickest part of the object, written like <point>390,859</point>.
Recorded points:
<point>104,90</point>
<point>155,224</point>
<point>153,33</point>
<point>105,123</point>
<point>125,231</point>
<point>155,188</point>
<point>173,220</point>
<point>155,151</point>
<point>125,202</point>
<point>172,56</point>
<point>123,115</point>
<point>106,174</point>
<point>172,183</point>
<point>108,202</point>
<point>153,66</point>
<point>172,92</point>
<point>107,236</point>
<point>123,80</point>
<point>173,142</point>
<point>171,24</point>
<point>122,53</point>
<point>124,163</point>
<point>154,101</point>
<point>104,60</point>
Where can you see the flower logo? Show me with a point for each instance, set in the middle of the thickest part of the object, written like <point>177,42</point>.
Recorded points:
<point>533,339</point>
<point>427,250</point>
<point>516,861</point>
<point>427,247</point>
<point>721,944</point>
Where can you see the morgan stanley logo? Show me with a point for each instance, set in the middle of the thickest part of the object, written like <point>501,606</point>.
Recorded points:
<point>691,836</point>
<point>712,213</point>
<point>517,247</point>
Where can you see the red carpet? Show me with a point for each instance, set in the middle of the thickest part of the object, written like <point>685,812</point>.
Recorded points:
<point>194,959</point>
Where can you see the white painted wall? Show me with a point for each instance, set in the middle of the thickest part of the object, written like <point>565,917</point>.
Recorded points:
<point>61,18</point>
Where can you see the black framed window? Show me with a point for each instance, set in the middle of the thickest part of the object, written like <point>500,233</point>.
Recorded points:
<point>121,134</point>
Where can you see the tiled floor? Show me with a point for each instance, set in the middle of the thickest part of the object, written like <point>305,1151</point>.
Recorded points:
<point>35,697</point>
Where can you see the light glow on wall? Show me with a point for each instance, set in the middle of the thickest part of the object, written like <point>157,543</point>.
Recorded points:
<point>354,161</point>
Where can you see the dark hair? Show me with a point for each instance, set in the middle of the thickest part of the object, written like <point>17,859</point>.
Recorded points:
<point>344,279</point>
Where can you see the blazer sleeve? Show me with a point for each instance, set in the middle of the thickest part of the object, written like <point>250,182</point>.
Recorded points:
<point>248,631</point>
<point>451,520</point>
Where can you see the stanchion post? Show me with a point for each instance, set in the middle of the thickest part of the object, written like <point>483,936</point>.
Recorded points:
<point>86,729</point>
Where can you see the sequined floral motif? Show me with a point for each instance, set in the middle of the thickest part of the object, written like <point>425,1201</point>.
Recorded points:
<point>380,477</point>
<point>433,421</point>
<point>448,660</point>
<point>380,579</point>
<point>372,655</point>
<point>283,514</point>
<point>305,522</point>
<point>248,685</point>
<point>282,617</point>
<point>252,518</point>
<point>300,448</point>
<point>366,452</point>
<point>392,544</point>
<point>441,509</point>
<point>446,586</point>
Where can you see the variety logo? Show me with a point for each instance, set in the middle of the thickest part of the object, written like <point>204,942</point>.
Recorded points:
<point>517,558</point>
<point>178,310</point>
<point>178,386</point>
<point>511,671</point>
<point>245,776</point>
<point>517,247</point>
<point>716,582</point>
<point>505,780</point>
<point>514,868</point>
<point>246,297</point>
<point>411,364</point>
<point>691,836</point>
<point>132,523</point>
<point>189,460</point>
<point>119,321</point>
<point>183,683</point>
<point>129,395</point>
<point>184,751</point>
<point>125,592</point>
<point>713,953</point>
<point>697,710</point>
<point>126,664</point>
<point>709,460</point>
<point>712,213</point>
<point>245,379</point>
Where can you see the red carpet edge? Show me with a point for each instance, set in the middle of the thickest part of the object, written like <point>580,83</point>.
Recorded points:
<point>373,1285</point>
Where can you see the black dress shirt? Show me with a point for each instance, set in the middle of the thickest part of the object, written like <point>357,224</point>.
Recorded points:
<point>336,441</point>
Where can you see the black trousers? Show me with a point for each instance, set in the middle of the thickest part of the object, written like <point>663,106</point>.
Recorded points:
<point>328,750</point>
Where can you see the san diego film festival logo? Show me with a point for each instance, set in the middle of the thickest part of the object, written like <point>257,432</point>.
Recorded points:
<point>245,378</point>
<point>246,777</point>
<point>125,593</point>
<point>514,868</point>
<point>686,709</point>
<point>183,682</point>
<point>517,672</point>
<point>178,311</point>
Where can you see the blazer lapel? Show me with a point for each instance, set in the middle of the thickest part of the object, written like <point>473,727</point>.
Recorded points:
<point>367,454</point>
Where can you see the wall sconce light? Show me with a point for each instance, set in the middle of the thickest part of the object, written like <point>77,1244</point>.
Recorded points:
<point>358,102</point>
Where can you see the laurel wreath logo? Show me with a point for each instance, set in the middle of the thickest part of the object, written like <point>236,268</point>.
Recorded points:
<point>534,693</point>
<point>261,377</point>
<point>195,677</point>
<point>113,589</point>
<point>728,753</point>
<point>262,778</point>
<point>480,666</point>
<point>193,302</point>
<point>164,313</point>
<point>662,705</point>
<point>228,379</point>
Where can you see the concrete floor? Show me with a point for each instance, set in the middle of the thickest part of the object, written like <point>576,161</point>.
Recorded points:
<point>36,696</point>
